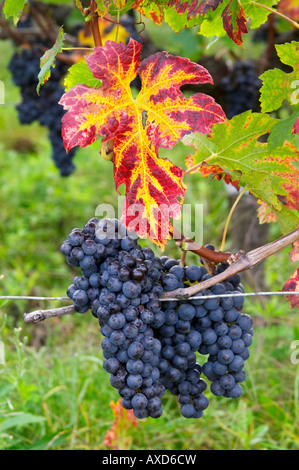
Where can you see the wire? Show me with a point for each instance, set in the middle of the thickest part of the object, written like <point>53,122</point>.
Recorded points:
<point>197,297</point>
<point>241,294</point>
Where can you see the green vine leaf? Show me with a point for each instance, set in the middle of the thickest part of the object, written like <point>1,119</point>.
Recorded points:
<point>234,151</point>
<point>14,8</point>
<point>48,59</point>
<point>285,130</point>
<point>80,74</point>
<point>278,85</point>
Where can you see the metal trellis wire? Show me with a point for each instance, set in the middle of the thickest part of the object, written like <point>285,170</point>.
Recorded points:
<point>195,297</point>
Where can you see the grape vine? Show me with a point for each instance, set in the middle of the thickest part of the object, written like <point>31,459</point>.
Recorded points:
<point>157,338</point>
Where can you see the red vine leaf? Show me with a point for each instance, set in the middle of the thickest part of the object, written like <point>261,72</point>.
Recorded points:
<point>119,436</point>
<point>289,8</point>
<point>218,173</point>
<point>150,9</point>
<point>158,117</point>
<point>208,5</point>
<point>193,8</point>
<point>292,285</point>
<point>234,21</point>
<point>295,129</point>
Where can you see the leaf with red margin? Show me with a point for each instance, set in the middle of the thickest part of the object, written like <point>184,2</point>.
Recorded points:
<point>216,172</point>
<point>193,7</point>
<point>102,6</point>
<point>289,8</point>
<point>208,5</point>
<point>234,21</point>
<point>105,6</point>
<point>292,285</point>
<point>158,117</point>
<point>156,10</point>
<point>209,171</point>
<point>150,9</point>
<point>234,149</point>
<point>264,213</point>
<point>296,127</point>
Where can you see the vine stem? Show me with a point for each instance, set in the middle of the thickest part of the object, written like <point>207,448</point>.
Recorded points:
<point>39,19</point>
<point>94,24</point>
<point>30,297</point>
<point>244,262</point>
<point>183,258</point>
<point>40,315</point>
<point>11,32</point>
<point>215,256</point>
<point>294,23</point>
<point>229,218</point>
<point>117,27</point>
<point>78,49</point>
<point>199,165</point>
<point>193,168</point>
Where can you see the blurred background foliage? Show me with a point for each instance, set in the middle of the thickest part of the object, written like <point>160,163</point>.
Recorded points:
<point>54,393</point>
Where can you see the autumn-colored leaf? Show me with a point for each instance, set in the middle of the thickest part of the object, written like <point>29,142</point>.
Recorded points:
<point>216,17</point>
<point>178,15</point>
<point>152,10</point>
<point>102,6</point>
<point>119,436</point>
<point>208,170</point>
<point>158,117</point>
<point>289,8</point>
<point>192,7</point>
<point>157,10</point>
<point>234,148</point>
<point>219,174</point>
<point>230,17</point>
<point>295,129</point>
<point>292,285</point>
<point>207,5</point>
<point>264,213</point>
<point>234,21</point>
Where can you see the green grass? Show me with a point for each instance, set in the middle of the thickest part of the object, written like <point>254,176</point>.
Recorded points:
<point>54,393</point>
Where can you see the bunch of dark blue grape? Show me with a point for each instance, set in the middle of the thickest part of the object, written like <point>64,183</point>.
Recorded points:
<point>150,345</point>
<point>180,372</point>
<point>44,108</point>
<point>240,89</point>
<point>119,283</point>
<point>223,332</point>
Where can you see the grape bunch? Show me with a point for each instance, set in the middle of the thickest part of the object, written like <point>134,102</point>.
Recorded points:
<point>240,89</point>
<point>119,284</point>
<point>150,345</point>
<point>44,108</point>
<point>225,333</point>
